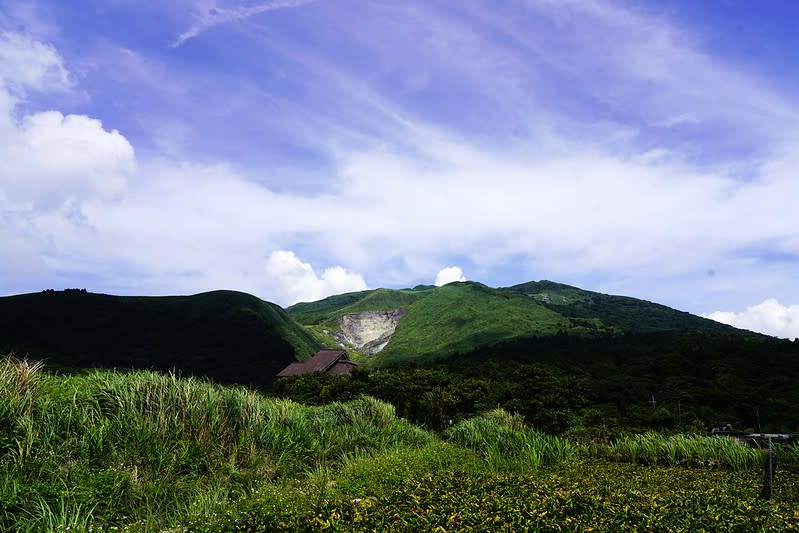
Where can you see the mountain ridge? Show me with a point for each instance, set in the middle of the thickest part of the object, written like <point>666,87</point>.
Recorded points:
<point>469,315</point>
<point>237,337</point>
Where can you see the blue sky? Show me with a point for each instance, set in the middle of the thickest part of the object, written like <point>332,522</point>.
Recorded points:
<point>299,148</point>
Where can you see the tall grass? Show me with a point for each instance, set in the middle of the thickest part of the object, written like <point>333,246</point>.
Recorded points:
<point>673,450</point>
<point>507,444</point>
<point>110,448</point>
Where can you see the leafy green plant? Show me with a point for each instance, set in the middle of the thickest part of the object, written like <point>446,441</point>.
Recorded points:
<point>112,448</point>
<point>505,443</point>
<point>672,450</point>
<point>582,496</point>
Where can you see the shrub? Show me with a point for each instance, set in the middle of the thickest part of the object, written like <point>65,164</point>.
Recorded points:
<point>506,444</point>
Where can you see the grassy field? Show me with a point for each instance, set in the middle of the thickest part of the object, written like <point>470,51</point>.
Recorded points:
<point>141,452</point>
<point>110,448</point>
<point>442,488</point>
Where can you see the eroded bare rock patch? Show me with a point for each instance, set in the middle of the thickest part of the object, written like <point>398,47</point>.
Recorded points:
<point>370,331</point>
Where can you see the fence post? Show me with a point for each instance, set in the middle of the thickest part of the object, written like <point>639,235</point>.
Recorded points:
<point>768,481</point>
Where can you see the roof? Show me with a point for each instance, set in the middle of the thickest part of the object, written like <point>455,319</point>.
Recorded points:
<point>321,362</point>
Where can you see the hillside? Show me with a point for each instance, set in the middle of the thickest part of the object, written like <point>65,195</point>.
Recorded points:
<point>433,322</point>
<point>229,336</point>
<point>461,316</point>
<point>334,307</point>
<point>595,385</point>
<point>622,312</point>
<point>234,337</point>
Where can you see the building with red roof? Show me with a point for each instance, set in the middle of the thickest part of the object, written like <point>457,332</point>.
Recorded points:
<point>328,361</point>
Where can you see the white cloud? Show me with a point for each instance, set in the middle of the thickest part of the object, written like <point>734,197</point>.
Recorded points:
<point>49,158</point>
<point>449,275</point>
<point>51,164</point>
<point>769,317</point>
<point>394,212</point>
<point>294,281</point>
<point>211,15</point>
<point>560,215</point>
<point>27,63</point>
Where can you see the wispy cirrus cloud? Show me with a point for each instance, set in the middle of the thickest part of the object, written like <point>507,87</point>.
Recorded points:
<point>208,16</point>
<point>27,64</point>
<point>403,136</point>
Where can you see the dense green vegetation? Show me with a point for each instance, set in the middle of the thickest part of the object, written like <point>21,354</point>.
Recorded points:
<point>439,321</point>
<point>693,376</point>
<point>432,395</point>
<point>586,377</point>
<point>506,443</point>
<point>543,390</point>
<point>112,448</point>
<point>620,312</point>
<point>143,452</point>
<point>229,336</point>
<point>584,496</point>
<point>237,338</point>
<point>460,317</point>
<point>657,449</point>
<point>333,307</point>
<point>598,386</point>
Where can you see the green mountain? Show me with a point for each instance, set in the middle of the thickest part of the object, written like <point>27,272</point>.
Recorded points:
<point>334,307</point>
<point>426,323</point>
<point>229,336</point>
<point>237,338</point>
<point>566,359</point>
<point>620,312</point>
<point>561,356</point>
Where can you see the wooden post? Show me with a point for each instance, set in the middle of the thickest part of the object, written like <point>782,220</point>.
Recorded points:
<point>768,480</point>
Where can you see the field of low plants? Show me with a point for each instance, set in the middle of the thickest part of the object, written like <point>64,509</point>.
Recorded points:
<point>584,497</point>
<point>142,452</point>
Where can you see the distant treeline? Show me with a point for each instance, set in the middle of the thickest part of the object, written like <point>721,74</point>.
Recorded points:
<point>686,381</point>
<point>53,291</point>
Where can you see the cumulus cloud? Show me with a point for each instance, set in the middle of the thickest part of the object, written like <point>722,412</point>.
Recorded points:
<point>449,275</point>
<point>769,317</point>
<point>49,158</point>
<point>51,163</point>
<point>293,281</point>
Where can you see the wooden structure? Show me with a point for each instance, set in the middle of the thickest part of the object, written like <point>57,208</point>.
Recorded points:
<point>328,361</point>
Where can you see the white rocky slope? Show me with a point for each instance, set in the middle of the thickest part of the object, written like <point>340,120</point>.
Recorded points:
<point>370,331</point>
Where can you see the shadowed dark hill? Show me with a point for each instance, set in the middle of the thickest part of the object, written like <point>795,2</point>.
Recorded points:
<point>228,336</point>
